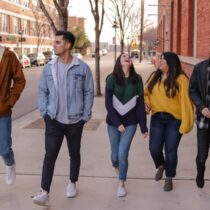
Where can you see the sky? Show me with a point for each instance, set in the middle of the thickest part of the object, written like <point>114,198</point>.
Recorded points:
<point>81,8</point>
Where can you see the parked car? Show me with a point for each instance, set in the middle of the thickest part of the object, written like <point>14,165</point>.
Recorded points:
<point>135,53</point>
<point>37,59</point>
<point>93,53</point>
<point>78,55</point>
<point>25,61</point>
<point>49,55</point>
<point>104,51</point>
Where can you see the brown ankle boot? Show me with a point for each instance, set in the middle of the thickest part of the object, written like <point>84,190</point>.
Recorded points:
<point>168,186</point>
<point>159,173</point>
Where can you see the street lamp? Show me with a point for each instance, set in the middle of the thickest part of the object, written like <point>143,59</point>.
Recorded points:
<point>128,43</point>
<point>20,32</point>
<point>115,26</point>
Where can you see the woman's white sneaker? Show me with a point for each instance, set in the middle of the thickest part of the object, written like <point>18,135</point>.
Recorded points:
<point>121,192</point>
<point>71,190</point>
<point>41,198</point>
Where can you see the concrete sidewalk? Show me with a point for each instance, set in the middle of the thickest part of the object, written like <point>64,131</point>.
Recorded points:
<point>97,184</point>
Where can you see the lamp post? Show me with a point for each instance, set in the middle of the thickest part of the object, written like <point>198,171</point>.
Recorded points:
<point>115,26</point>
<point>141,31</point>
<point>128,43</point>
<point>20,32</point>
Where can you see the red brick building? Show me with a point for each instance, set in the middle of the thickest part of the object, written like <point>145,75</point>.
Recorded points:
<point>184,28</point>
<point>23,25</point>
<point>76,21</point>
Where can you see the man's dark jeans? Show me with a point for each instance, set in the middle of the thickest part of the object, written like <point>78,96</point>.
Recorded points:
<point>164,131</point>
<point>54,135</point>
<point>203,143</point>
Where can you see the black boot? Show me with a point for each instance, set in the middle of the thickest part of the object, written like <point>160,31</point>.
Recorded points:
<point>200,177</point>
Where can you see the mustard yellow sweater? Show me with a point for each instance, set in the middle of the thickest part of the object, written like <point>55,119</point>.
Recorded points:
<point>180,106</point>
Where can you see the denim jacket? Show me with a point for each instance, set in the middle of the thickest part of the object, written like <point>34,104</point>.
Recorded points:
<point>80,91</point>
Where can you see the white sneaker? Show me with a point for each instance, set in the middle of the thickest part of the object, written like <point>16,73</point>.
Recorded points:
<point>121,192</point>
<point>71,190</point>
<point>41,198</point>
<point>10,174</point>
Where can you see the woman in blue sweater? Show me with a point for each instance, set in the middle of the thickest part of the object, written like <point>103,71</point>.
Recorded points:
<point>124,100</point>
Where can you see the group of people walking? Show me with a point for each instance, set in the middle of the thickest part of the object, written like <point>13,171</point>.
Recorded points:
<point>66,95</point>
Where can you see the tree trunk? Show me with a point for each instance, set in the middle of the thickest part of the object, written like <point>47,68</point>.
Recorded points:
<point>47,15</point>
<point>97,64</point>
<point>122,45</point>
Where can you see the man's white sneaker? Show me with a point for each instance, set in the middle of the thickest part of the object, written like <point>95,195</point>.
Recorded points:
<point>10,174</point>
<point>71,190</point>
<point>41,198</point>
<point>121,192</point>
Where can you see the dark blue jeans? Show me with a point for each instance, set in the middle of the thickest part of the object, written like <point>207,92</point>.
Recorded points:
<point>54,135</point>
<point>203,144</point>
<point>164,132</point>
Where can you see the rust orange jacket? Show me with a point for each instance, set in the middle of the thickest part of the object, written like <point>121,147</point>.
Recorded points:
<point>12,80</point>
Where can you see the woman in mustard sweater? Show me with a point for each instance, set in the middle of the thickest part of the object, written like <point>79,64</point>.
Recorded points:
<point>166,98</point>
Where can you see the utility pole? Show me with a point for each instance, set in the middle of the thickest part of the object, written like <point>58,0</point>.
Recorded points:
<point>115,26</point>
<point>20,32</point>
<point>141,31</point>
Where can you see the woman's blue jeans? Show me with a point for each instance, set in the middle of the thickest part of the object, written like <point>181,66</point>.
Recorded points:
<point>6,140</point>
<point>120,145</point>
<point>164,132</point>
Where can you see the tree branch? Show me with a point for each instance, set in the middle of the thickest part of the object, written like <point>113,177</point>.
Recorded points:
<point>50,20</point>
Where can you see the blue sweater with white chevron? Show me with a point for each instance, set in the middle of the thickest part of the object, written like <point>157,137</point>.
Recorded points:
<point>125,103</point>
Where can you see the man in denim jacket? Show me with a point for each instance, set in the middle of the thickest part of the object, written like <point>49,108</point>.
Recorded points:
<point>66,95</point>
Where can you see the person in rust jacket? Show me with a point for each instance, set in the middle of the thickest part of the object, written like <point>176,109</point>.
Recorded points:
<point>12,83</point>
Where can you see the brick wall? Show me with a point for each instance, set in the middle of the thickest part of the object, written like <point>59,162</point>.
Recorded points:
<point>187,19</point>
<point>76,21</point>
<point>203,29</point>
<point>164,15</point>
<point>187,68</point>
<point>181,26</point>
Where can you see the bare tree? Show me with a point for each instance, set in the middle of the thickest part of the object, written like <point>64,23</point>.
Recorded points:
<point>62,9</point>
<point>97,9</point>
<point>121,10</point>
<point>135,27</point>
<point>41,29</point>
<point>150,38</point>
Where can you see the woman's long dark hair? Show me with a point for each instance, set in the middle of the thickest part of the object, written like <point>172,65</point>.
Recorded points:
<point>119,74</point>
<point>170,83</point>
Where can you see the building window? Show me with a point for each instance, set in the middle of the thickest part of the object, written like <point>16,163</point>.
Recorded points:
<point>5,23</point>
<point>34,4</point>
<point>16,24</point>
<point>26,3</point>
<point>15,1</point>
<point>26,27</point>
<point>34,27</point>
